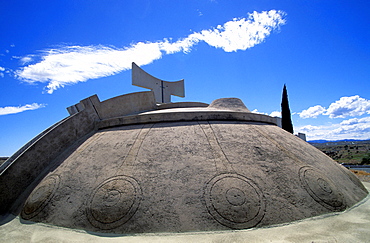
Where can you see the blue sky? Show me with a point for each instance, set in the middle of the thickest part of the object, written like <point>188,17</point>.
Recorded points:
<point>55,53</point>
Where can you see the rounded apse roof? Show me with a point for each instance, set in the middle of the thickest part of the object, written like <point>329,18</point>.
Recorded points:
<point>189,168</point>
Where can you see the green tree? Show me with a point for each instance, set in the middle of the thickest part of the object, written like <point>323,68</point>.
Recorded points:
<point>286,121</point>
<point>366,160</point>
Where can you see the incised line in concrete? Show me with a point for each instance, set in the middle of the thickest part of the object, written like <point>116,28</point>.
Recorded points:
<point>134,150</point>
<point>221,162</point>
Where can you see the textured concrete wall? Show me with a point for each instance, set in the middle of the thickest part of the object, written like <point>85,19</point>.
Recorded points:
<point>16,179</point>
<point>234,104</point>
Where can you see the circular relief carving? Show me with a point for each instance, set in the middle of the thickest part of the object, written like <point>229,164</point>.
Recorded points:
<point>40,196</point>
<point>234,201</point>
<point>321,188</point>
<point>114,202</point>
<point>235,196</point>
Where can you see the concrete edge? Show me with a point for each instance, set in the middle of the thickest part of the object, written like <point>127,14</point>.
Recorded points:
<point>181,116</point>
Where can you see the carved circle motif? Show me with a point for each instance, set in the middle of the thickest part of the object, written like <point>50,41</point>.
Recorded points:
<point>40,196</point>
<point>114,202</point>
<point>234,201</point>
<point>321,188</point>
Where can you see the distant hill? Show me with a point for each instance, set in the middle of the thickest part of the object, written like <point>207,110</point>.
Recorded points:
<point>348,151</point>
<point>338,141</point>
<point>319,141</point>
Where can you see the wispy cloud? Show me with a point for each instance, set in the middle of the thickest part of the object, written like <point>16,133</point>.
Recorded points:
<point>17,109</point>
<point>2,70</point>
<point>344,107</point>
<point>241,34</point>
<point>72,64</point>
<point>348,129</point>
<point>27,59</point>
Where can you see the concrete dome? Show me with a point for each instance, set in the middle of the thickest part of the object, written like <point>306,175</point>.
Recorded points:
<point>178,168</point>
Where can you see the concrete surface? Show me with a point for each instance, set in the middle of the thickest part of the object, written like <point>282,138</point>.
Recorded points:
<point>125,104</point>
<point>162,89</point>
<point>187,114</point>
<point>234,104</point>
<point>352,225</point>
<point>190,176</point>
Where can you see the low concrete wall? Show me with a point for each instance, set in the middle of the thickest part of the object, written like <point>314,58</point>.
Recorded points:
<point>181,105</point>
<point>196,115</point>
<point>125,104</point>
<point>18,175</point>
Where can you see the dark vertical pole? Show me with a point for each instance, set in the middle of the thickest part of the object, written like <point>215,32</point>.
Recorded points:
<point>162,88</point>
<point>286,121</point>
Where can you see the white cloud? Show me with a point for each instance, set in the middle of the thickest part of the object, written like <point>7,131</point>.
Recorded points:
<point>348,129</point>
<point>355,125</point>
<point>1,72</point>
<point>344,107</point>
<point>312,112</point>
<point>275,114</point>
<point>241,34</point>
<point>348,106</point>
<point>17,109</point>
<point>258,112</point>
<point>27,59</point>
<point>351,121</point>
<point>354,128</point>
<point>309,128</point>
<point>73,64</point>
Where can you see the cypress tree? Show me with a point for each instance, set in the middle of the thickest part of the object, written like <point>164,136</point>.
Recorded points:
<point>286,121</point>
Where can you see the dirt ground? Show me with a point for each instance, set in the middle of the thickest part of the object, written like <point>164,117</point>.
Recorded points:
<point>362,175</point>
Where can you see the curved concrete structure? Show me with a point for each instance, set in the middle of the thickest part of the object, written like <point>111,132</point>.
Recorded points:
<point>176,169</point>
<point>350,226</point>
